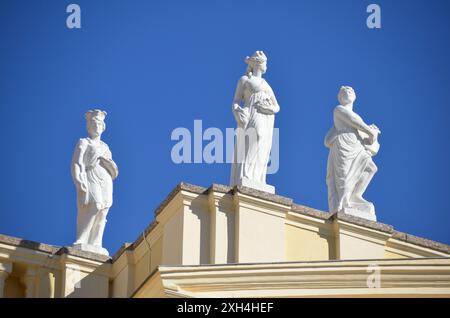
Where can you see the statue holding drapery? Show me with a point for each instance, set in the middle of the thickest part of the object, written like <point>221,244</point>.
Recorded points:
<point>350,167</point>
<point>255,123</point>
<point>93,172</point>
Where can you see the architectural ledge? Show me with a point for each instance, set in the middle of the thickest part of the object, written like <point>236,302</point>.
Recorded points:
<point>67,250</point>
<point>296,208</point>
<point>408,238</point>
<point>226,241</point>
<point>208,269</point>
<point>31,245</point>
<point>51,249</point>
<point>223,189</point>
<point>420,276</point>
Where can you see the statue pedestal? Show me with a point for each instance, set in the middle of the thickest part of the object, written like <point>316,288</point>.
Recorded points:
<point>362,210</point>
<point>256,185</point>
<point>91,248</point>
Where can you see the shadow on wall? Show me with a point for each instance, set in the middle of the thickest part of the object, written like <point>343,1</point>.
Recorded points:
<point>200,211</point>
<point>28,280</point>
<point>88,285</point>
<point>43,271</point>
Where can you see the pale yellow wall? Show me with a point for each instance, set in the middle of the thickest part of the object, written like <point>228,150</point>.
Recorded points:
<point>157,253</point>
<point>152,287</point>
<point>123,283</point>
<point>142,269</point>
<point>389,254</point>
<point>196,232</point>
<point>80,280</point>
<point>222,228</point>
<point>39,282</point>
<point>195,229</point>
<point>192,229</point>
<point>132,268</point>
<point>14,288</point>
<point>398,248</point>
<point>45,284</point>
<point>358,242</point>
<point>186,230</point>
<point>259,231</point>
<point>173,239</point>
<point>91,286</point>
<point>260,237</point>
<point>352,247</point>
<point>313,246</point>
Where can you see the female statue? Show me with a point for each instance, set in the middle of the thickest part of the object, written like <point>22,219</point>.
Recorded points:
<point>255,121</point>
<point>93,172</point>
<point>350,168</point>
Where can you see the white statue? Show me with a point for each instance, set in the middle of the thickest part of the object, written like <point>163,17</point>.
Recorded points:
<point>350,168</point>
<point>93,172</point>
<point>255,120</point>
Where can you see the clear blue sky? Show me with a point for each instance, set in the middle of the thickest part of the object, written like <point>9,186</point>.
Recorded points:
<point>158,65</point>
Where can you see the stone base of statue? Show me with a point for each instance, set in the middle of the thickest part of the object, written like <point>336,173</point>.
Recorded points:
<point>256,185</point>
<point>91,248</point>
<point>362,210</point>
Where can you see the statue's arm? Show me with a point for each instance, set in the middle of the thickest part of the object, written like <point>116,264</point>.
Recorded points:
<point>330,137</point>
<point>276,106</point>
<point>78,168</point>
<point>238,94</point>
<point>354,120</point>
<point>111,166</point>
<point>107,154</point>
<point>240,114</point>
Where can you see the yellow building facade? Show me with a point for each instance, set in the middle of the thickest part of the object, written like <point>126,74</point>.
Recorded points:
<point>235,242</point>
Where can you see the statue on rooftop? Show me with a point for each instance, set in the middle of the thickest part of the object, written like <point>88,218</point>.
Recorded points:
<point>255,122</point>
<point>93,172</point>
<point>350,167</point>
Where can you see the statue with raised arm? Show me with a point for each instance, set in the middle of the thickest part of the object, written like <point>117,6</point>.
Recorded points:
<point>255,122</point>
<point>93,172</point>
<point>350,167</point>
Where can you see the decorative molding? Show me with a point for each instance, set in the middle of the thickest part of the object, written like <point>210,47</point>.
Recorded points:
<point>319,278</point>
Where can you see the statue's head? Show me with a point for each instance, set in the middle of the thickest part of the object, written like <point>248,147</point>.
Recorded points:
<point>257,60</point>
<point>346,95</point>
<point>95,120</point>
